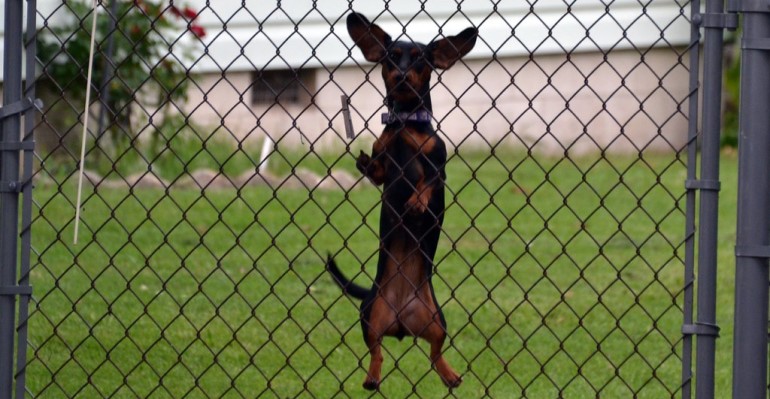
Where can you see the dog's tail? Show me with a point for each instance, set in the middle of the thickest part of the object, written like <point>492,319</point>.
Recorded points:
<point>348,287</point>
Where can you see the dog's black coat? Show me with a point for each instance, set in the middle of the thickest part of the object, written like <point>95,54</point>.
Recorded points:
<point>408,160</point>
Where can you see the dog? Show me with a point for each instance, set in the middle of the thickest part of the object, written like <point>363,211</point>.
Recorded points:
<point>408,160</point>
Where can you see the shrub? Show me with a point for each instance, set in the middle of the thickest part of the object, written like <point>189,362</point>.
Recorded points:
<point>138,71</point>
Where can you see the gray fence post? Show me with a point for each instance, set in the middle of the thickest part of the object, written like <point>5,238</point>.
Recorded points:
<point>752,250</point>
<point>28,146</point>
<point>713,21</point>
<point>10,114</point>
<point>692,155</point>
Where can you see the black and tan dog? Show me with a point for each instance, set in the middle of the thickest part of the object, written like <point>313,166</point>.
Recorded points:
<point>408,158</point>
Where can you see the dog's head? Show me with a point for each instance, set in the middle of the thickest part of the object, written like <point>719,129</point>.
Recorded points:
<point>406,66</point>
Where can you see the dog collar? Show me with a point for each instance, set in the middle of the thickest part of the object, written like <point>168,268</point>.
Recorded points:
<point>422,115</point>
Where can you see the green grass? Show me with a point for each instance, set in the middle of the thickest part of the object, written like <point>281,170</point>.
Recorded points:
<point>557,277</point>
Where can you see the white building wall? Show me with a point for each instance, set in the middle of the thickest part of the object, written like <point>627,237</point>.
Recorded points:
<point>590,103</point>
<point>604,94</point>
<point>588,106</point>
<point>256,33</point>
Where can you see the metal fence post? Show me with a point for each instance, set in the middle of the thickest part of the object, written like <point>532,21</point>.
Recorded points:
<point>692,155</point>
<point>752,250</point>
<point>28,146</point>
<point>9,188</point>
<point>713,21</point>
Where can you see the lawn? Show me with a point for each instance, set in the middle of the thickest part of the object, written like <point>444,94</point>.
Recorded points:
<point>556,276</point>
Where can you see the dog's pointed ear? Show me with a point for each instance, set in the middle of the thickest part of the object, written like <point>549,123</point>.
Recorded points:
<point>370,38</point>
<point>447,51</point>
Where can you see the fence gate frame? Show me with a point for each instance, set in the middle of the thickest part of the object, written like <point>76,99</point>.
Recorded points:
<point>18,100</point>
<point>752,250</point>
<point>713,21</point>
<point>752,247</point>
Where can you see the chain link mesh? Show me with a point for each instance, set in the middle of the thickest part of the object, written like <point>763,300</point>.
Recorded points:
<point>220,177</point>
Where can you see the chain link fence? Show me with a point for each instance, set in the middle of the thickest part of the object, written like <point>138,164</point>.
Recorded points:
<point>219,177</point>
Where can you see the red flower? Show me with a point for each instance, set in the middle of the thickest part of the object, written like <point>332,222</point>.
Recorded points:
<point>175,10</point>
<point>198,31</point>
<point>190,13</point>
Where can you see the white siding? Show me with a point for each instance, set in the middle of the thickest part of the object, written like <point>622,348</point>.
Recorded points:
<point>263,37</point>
<point>544,105</point>
<point>45,7</point>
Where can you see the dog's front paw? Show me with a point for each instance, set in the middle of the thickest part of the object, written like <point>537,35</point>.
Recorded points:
<point>362,163</point>
<point>418,202</point>
<point>372,168</point>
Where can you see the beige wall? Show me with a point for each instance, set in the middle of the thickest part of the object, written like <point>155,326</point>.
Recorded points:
<point>622,104</point>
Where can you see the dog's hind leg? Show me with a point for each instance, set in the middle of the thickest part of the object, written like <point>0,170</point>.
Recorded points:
<point>435,334</point>
<point>372,380</point>
<point>379,320</point>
